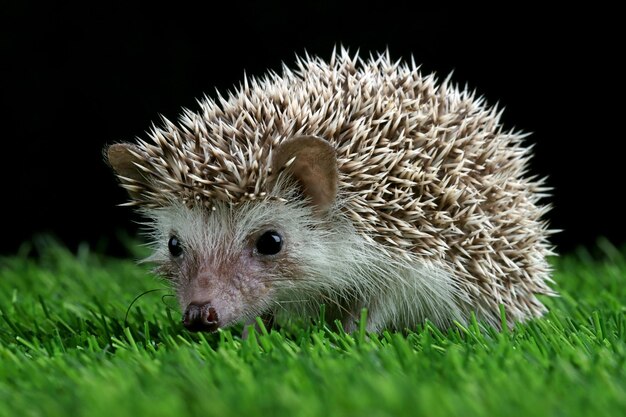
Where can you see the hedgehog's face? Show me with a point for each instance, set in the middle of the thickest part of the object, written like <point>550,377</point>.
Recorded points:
<point>232,262</point>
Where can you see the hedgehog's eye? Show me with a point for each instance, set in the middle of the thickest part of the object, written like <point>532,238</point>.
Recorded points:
<point>175,247</point>
<point>269,243</point>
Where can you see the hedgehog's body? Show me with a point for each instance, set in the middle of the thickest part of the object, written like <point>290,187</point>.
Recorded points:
<point>351,184</point>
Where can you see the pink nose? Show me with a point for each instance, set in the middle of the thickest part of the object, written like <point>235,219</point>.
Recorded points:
<point>200,317</point>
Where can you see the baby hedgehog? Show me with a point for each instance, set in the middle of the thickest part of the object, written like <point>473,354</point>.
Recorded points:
<point>353,183</point>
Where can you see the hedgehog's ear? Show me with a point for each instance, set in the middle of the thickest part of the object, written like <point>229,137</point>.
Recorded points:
<point>125,164</point>
<point>312,161</point>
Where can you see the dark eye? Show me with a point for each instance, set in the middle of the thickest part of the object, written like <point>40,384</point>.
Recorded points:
<point>175,247</point>
<point>270,243</point>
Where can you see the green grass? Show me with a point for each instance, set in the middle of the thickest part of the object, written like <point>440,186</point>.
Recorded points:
<point>64,351</point>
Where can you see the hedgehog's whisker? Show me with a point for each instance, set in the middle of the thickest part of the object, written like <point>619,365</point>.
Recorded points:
<point>137,298</point>
<point>165,304</point>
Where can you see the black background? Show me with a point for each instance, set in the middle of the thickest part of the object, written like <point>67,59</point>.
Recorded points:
<point>77,77</point>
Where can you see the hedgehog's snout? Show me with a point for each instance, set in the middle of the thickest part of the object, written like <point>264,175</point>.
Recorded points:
<point>200,317</point>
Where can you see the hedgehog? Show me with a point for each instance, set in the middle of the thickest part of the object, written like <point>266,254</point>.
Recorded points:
<point>353,183</point>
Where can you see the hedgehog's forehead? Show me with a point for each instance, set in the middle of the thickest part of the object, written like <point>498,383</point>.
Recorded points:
<point>226,218</point>
<point>224,212</point>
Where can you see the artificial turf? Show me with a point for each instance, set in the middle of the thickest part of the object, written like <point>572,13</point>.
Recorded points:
<point>65,350</point>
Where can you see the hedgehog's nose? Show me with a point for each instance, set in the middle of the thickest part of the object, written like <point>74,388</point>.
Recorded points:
<point>200,317</point>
